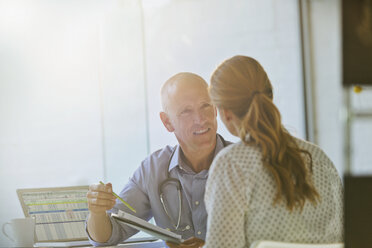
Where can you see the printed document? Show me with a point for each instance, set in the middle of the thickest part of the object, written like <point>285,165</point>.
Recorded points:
<point>60,212</point>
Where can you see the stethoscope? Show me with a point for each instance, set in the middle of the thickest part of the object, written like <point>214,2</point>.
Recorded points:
<point>177,183</point>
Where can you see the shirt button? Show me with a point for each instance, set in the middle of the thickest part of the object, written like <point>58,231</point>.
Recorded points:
<point>197,203</point>
<point>199,232</point>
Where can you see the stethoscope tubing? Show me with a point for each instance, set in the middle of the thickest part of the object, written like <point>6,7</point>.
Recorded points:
<point>179,189</point>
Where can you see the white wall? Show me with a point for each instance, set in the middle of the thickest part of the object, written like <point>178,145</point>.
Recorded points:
<point>123,91</point>
<point>71,96</point>
<point>72,90</point>
<point>49,99</point>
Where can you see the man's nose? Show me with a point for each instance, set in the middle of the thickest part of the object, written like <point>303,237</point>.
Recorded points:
<point>199,117</point>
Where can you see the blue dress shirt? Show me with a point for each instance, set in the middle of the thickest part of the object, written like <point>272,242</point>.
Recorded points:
<point>142,193</point>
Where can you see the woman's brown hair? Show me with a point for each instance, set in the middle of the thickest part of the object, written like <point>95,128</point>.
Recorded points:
<point>241,85</point>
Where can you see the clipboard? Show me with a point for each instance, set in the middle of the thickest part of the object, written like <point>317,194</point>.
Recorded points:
<point>142,225</point>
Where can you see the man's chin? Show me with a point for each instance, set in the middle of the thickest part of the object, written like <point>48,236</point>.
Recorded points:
<point>205,141</point>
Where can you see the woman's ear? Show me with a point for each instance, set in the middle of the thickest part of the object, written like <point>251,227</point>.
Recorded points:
<point>230,120</point>
<point>166,121</point>
<point>226,114</point>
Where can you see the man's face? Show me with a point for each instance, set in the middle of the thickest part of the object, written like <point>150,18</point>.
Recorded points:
<point>192,116</point>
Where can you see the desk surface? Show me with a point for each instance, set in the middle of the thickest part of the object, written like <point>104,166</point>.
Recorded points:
<point>84,244</point>
<point>156,244</point>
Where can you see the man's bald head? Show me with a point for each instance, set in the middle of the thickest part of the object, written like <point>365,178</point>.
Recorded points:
<point>178,82</point>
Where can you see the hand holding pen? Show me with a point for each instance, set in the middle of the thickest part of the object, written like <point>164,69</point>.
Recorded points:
<point>102,198</point>
<point>120,199</point>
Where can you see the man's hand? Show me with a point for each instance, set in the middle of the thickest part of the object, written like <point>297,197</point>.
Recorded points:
<point>100,198</point>
<point>190,243</point>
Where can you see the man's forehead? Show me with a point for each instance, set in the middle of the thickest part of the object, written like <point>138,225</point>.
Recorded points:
<point>183,86</point>
<point>189,88</point>
<point>187,82</point>
<point>189,98</point>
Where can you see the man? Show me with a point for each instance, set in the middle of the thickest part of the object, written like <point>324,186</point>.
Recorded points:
<point>189,114</point>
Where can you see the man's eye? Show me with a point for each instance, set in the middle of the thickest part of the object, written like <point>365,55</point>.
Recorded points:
<point>186,111</point>
<point>206,105</point>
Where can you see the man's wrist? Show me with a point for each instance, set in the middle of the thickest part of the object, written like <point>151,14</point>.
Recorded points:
<point>98,214</point>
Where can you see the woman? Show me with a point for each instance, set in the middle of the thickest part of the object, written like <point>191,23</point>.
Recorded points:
<point>270,185</point>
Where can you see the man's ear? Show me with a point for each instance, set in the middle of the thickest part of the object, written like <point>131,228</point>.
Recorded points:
<point>166,121</point>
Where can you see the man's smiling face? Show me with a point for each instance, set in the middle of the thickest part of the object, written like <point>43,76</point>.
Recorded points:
<point>192,115</point>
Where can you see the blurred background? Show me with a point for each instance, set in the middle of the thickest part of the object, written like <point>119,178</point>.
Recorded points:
<point>80,81</point>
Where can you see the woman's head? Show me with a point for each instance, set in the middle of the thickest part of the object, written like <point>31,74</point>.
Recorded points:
<point>241,90</point>
<point>236,81</point>
<point>241,85</point>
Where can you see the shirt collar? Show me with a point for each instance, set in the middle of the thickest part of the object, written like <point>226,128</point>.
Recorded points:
<point>176,159</point>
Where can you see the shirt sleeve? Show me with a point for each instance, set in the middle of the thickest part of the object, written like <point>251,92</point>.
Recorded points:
<point>135,194</point>
<point>115,235</point>
<point>226,199</point>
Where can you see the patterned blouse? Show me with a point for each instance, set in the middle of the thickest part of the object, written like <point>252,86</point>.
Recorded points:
<point>239,201</point>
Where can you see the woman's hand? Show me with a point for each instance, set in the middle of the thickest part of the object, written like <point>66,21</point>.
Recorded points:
<point>190,243</point>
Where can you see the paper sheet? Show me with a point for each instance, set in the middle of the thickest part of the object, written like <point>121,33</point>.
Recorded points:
<point>60,214</point>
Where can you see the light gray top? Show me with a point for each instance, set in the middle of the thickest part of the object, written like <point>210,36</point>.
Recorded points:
<point>239,201</point>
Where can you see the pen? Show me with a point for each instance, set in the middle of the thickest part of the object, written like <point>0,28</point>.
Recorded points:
<point>125,203</point>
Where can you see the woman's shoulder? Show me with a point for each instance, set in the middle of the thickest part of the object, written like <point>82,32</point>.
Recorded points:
<point>240,149</point>
<point>237,162</point>
<point>239,154</point>
<point>321,162</point>
<point>316,152</point>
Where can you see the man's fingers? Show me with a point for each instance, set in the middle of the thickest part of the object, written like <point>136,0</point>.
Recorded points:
<point>100,195</point>
<point>101,187</point>
<point>101,202</point>
<point>100,198</point>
